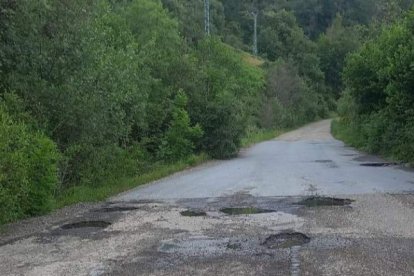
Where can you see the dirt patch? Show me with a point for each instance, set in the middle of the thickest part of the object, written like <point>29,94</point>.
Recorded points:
<point>245,211</point>
<point>86,224</point>
<point>193,213</point>
<point>286,240</point>
<point>317,201</point>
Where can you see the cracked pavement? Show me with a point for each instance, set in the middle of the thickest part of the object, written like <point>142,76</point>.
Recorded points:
<point>145,233</point>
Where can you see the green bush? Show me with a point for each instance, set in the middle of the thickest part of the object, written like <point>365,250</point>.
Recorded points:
<point>378,108</point>
<point>104,163</point>
<point>224,128</point>
<point>289,100</point>
<point>225,99</point>
<point>179,140</point>
<point>28,170</point>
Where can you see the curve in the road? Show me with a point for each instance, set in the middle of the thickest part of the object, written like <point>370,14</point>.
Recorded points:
<point>299,163</point>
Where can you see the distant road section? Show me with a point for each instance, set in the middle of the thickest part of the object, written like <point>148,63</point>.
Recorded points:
<point>299,163</point>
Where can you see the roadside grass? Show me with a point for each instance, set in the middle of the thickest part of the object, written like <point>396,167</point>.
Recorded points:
<point>99,193</point>
<point>86,193</point>
<point>336,129</point>
<point>341,132</point>
<point>351,137</point>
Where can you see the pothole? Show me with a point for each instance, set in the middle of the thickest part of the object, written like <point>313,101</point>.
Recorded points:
<point>193,213</point>
<point>286,240</point>
<point>245,211</point>
<point>117,209</point>
<point>317,201</point>
<point>86,224</point>
<point>379,164</point>
<point>234,246</point>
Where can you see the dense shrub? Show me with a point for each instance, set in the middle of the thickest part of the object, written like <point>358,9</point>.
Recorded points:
<point>180,138</point>
<point>100,78</point>
<point>226,97</point>
<point>123,87</point>
<point>288,100</point>
<point>333,48</point>
<point>379,105</point>
<point>28,170</point>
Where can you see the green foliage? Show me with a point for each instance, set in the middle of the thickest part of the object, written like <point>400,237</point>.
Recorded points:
<point>378,108</point>
<point>288,101</point>
<point>127,88</point>
<point>226,101</point>
<point>281,36</point>
<point>108,82</point>
<point>28,170</point>
<point>87,193</point>
<point>179,140</point>
<point>333,48</point>
<point>190,15</point>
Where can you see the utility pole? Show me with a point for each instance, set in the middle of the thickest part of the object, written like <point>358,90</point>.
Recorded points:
<point>207,16</point>
<point>255,15</point>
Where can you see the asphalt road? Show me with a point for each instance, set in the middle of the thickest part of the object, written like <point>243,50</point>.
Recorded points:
<point>284,229</point>
<point>308,160</point>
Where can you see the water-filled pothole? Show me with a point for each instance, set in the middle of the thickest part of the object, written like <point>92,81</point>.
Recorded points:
<point>86,224</point>
<point>234,246</point>
<point>193,213</point>
<point>286,240</point>
<point>316,201</point>
<point>117,209</point>
<point>245,211</point>
<point>379,164</point>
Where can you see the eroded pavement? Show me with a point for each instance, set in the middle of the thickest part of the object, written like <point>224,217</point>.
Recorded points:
<point>304,233</point>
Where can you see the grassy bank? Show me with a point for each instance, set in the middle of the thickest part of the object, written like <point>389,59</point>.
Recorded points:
<point>101,192</point>
<point>93,194</point>
<point>352,136</point>
<point>343,133</point>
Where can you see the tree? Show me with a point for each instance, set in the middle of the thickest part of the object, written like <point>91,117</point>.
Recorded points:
<point>28,169</point>
<point>333,48</point>
<point>191,18</point>
<point>223,103</point>
<point>378,105</point>
<point>180,138</point>
<point>288,100</point>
